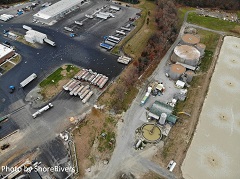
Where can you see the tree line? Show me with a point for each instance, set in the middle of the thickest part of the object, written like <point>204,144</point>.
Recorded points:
<point>10,1</point>
<point>222,4</point>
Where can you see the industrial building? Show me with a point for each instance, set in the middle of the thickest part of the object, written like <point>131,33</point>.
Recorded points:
<point>176,71</point>
<point>186,54</point>
<point>189,39</point>
<point>33,36</point>
<point>5,53</point>
<point>56,11</point>
<point>163,113</point>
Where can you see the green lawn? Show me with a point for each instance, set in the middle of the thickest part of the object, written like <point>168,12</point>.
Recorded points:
<point>206,61</point>
<point>181,12</point>
<point>208,38</point>
<point>211,23</point>
<point>56,76</point>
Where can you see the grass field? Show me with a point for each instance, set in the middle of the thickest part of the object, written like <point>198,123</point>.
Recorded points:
<point>52,85</point>
<point>181,12</point>
<point>133,45</point>
<point>211,23</point>
<point>7,66</point>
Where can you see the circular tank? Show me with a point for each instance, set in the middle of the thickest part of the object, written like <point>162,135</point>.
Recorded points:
<point>163,118</point>
<point>190,75</point>
<point>189,39</point>
<point>201,48</point>
<point>176,70</point>
<point>186,54</point>
<point>151,132</point>
<point>190,30</point>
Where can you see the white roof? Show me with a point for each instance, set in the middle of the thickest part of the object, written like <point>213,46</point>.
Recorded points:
<point>4,50</point>
<point>35,33</point>
<point>180,83</point>
<point>57,8</point>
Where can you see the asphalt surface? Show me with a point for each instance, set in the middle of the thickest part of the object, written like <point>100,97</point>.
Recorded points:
<point>83,51</point>
<point>7,127</point>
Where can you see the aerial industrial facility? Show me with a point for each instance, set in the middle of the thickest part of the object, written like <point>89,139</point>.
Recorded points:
<point>5,53</point>
<point>56,11</point>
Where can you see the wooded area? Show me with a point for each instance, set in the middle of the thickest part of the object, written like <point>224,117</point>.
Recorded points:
<point>222,4</point>
<point>10,1</point>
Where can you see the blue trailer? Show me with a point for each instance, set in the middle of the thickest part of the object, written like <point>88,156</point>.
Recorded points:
<point>106,46</point>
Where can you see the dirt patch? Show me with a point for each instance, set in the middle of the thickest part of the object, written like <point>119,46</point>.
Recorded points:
<point>151,175</point>
<point>50,91</point>
<point>64,73</point>
<point>90,144</point>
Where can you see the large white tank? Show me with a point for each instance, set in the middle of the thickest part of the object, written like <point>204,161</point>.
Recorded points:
<point>175,71</point>
<point>163,118</point>
<point>186,54</point>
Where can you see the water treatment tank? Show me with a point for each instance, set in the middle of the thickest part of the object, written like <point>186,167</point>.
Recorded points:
<point>189,75</point>
<point>175,71</point>
<point>163,118</point>
<point>186,54</point>
<point>201,48</point>
<point>189,39</point>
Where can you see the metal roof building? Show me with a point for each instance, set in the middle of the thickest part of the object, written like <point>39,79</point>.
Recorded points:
<point>5,53</point>
<point>57,10</point>
<point>158,108</point>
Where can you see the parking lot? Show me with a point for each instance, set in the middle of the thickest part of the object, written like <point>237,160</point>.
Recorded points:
<point>82,50</point>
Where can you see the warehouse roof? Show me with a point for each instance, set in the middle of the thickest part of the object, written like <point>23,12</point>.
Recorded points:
<point>4,50</point>
<point>57,8</point>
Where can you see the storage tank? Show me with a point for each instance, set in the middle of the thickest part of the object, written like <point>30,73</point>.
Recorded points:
<point>186,54</point>
<point>201,48</point>
<point>175,71</point>
<point>163,118</point>
<point>189,39</point>
<point>189,75</point>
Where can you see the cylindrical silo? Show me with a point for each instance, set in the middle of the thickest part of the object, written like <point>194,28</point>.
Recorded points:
<point>186,54</point>
<point>201,48</point>
<point>163,118</point>
<point>176,70</point>
<point>189,39</point>
<point>190,75</point>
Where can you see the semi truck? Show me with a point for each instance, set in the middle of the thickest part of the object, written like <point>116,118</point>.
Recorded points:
<point>68,29</point>
<point>27,27</point>
<point>145,98</point>
<point>40,111</point>
<point>74,90</point>
<point>28,80</point>
<point>124,28</point>
<point>78,23</point>
<point>49,42</point>
<point>83,90</point>
<point>106,46</point>
<point>104,81</point>
<point>86,98</point>
<point>120,32</point>
<point>84,93</point>
<point>79,89</point>
<point>66,86</point>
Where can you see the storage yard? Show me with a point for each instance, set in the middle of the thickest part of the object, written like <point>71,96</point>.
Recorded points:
<point>211,154</point>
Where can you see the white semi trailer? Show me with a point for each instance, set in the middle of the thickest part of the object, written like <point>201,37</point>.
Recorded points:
<point>28,80</point>
<point>40,111</point>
